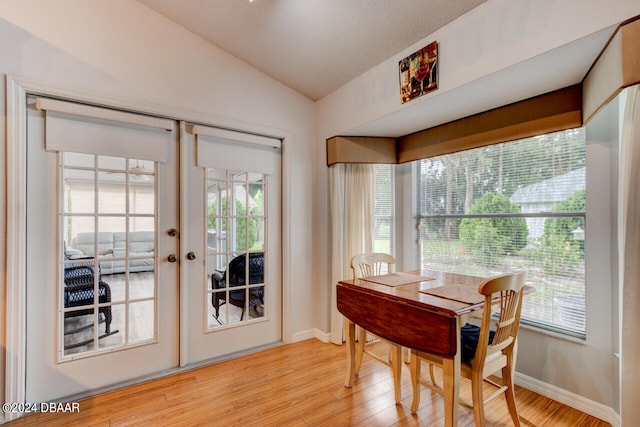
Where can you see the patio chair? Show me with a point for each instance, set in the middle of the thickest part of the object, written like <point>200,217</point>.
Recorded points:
<point>238,278</point>
<point>79,292</point>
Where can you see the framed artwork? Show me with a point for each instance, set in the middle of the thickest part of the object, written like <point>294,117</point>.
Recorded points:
<point>419,73</point>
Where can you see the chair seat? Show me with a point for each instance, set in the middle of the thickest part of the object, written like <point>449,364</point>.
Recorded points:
<point>81,294</point>
<point>469,335</point>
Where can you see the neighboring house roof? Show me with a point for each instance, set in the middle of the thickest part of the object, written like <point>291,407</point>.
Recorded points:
<point>556,189</point>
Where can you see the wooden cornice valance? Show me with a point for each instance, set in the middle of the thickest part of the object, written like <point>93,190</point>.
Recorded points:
<point>617,67</point>
<point>360,149</point>
<point>542,114</point>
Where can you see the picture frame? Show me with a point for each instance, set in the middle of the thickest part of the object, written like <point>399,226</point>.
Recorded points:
<point>419,73</point>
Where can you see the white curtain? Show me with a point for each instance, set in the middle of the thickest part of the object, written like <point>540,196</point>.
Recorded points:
<point>351,201</point>
<point>629,256</point>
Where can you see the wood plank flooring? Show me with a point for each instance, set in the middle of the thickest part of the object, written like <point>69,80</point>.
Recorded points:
<point>300,384</point>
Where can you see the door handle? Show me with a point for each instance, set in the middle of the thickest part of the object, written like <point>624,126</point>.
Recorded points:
<point>172,258</point>
<point>191,256</point>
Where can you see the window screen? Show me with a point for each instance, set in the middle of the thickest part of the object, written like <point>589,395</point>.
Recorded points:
<point>383,208</point>
<point>516,206</point>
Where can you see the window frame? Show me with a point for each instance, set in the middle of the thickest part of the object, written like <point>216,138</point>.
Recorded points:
<point>537,324</point>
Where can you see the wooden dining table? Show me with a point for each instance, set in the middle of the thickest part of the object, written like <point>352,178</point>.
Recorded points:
<point>421,310</point>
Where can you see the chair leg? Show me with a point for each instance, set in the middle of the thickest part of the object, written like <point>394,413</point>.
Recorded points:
<point>478,400</point>
<point>106,313</point>
<point>107,319</point>
<point>415,377</point>
<point>219,303</point>
<point>509,393</point>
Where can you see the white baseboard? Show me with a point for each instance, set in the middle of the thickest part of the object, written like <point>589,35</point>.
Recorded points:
<point>568,398</point>
<point>325,337</point>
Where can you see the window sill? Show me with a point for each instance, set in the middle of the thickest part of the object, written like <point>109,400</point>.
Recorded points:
<point>555,334</point>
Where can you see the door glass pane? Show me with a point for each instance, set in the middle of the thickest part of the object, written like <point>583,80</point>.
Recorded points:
<point>216,219</point>
<point>140,329</point>
<point>256,227</point>
<point>79,195</point>
<point>111,192</point>
<point>236,247</point>
<point>108,285</point>
<point>141,187</point>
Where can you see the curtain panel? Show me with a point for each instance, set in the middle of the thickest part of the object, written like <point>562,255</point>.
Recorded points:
<point>629,253</point>
<point>351,204</point>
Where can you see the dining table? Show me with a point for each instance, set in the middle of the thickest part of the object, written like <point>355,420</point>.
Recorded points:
<point>421,310</point>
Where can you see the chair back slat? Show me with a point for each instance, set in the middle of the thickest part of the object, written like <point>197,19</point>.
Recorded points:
<point>371,264</point>
<point>505,291</point>
<point>509,302</point>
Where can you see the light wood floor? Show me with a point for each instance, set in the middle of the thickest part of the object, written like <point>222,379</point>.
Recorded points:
<point>300,384</point>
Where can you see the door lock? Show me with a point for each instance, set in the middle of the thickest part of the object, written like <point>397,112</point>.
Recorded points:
<point>172,232</point>
<point>172,258</point>
<point>191,256</point>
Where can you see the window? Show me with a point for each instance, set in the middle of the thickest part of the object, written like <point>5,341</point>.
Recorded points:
<point>108,229</point>
<point>236,224</point>
<point>517,206</point>
<point>383,208</point>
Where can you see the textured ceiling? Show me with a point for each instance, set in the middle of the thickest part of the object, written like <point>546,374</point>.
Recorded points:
<point>312,46</point>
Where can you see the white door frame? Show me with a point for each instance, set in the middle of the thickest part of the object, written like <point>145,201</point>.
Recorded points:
<point>15,304</point>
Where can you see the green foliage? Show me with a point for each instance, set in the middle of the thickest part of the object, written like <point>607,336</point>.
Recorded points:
<point>560,251</point>
<point>211,214</point>
<point>241,224</point>
<point>445,182</point>
<point>489,238</point>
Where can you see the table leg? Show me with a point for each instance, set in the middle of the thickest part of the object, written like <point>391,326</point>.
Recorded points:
<point>350,337</point>
<point>396,366</point>
<point>451,385</point>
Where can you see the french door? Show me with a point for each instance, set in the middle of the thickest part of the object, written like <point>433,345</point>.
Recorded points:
<point>101,292</point>
<point>131,235</point>
<point>231,182</point>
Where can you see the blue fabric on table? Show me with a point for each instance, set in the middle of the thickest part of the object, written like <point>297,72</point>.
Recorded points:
<point>469,336</point>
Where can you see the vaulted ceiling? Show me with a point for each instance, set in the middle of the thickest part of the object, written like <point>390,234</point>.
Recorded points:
<point>316,46</point>
<point>312,46</point>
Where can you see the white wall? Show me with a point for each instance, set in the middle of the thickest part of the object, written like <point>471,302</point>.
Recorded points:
<point>496,37</point>
<point>124,50</point>
<point>491,40</point>
<point>587,368</point>
<point>129,53</point>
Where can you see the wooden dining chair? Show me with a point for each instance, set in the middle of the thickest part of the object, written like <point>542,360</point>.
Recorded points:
<point>367,265</point>
<point>484,350</point>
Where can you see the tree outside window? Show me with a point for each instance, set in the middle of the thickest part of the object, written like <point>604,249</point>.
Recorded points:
<point>516,206</point>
